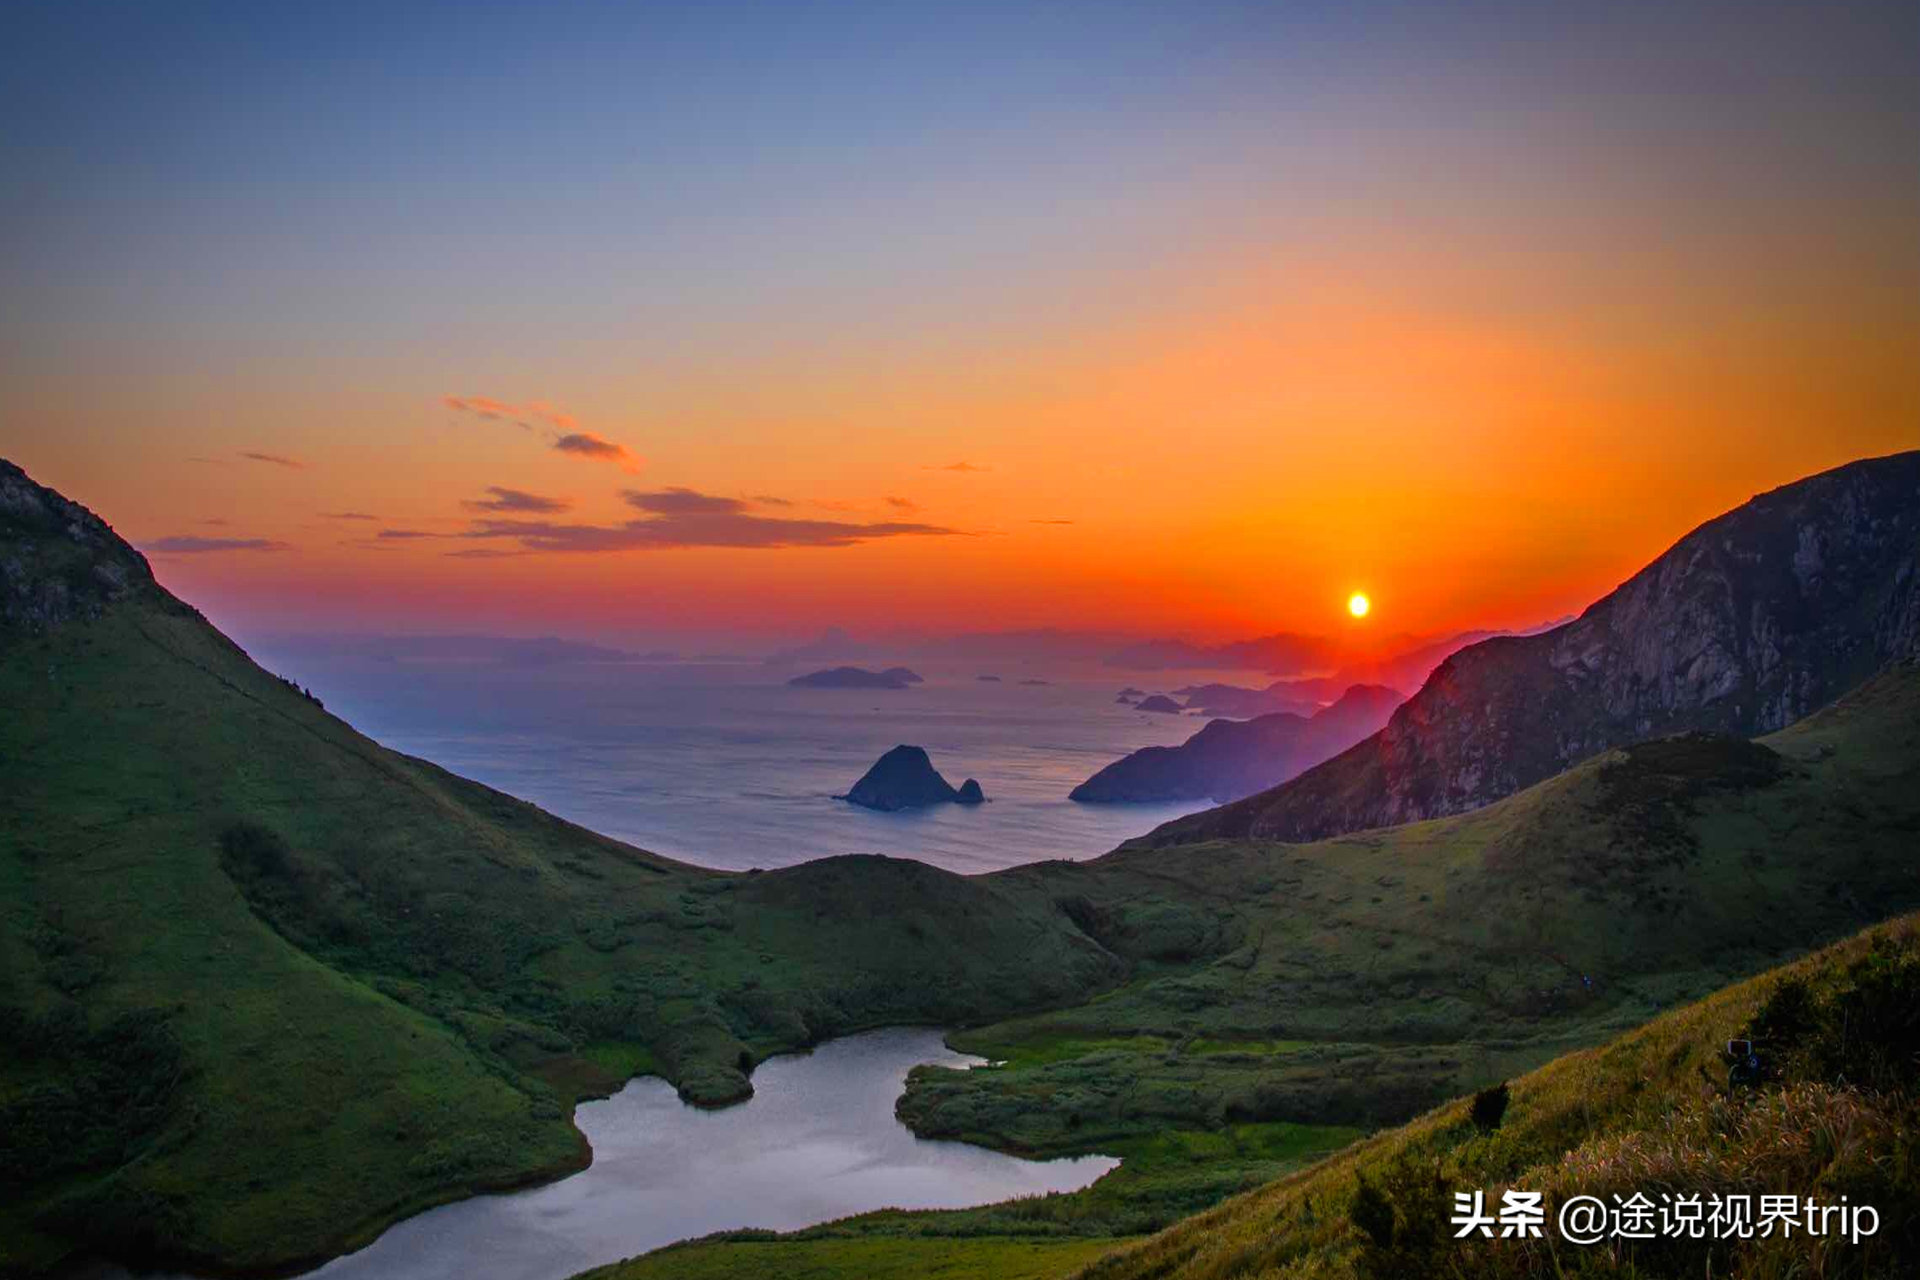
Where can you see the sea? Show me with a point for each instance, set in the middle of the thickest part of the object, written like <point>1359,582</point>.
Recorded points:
<point>726,765</point>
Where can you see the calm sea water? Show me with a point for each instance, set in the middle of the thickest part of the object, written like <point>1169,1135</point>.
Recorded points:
<point>726,766</point>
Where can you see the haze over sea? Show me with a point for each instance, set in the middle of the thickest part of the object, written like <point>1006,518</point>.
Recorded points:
<point>725,765</point>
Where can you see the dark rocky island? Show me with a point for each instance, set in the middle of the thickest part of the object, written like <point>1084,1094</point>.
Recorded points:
<point>989,679</point>
<point>905,778</point>
<point>1230,759</point>
<point>857,678</point>
<point>1159,702</point>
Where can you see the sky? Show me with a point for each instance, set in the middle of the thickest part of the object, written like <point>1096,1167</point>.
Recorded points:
<point>673,324</point>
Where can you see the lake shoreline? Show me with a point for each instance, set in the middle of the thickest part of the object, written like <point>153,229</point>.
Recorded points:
<point>370,1235</point>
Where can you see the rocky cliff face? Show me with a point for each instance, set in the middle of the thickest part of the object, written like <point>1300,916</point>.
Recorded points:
<point>1748,623</point>
<point>58,561</point>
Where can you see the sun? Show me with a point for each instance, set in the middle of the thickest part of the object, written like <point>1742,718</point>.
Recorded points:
<point>1358,604</point>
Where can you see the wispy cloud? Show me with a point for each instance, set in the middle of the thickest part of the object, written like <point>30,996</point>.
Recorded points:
<point>347,515</point>
<point>274,459</point>
<point>193,545</point>
<point>902,504</point>
<point>482,553</point>
<point>1049,522</point>
<point>768,500</point>
<point>962,466</point>
<point>562,429</point>
<point>523,416</point>
<point>680,518</point>
<point>585,444</point>
<point>503,499</point>
<point>405,535</point>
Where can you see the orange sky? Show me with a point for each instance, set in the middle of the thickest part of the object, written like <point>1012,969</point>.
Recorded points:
<point>1476,341</point>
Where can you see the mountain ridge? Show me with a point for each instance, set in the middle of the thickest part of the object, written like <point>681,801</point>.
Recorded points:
<point>1748,622</point>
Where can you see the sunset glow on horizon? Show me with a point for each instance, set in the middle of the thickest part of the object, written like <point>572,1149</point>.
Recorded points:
<point>739,324</point>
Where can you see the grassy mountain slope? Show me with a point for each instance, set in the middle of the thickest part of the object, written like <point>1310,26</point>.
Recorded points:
<point>287,985</point>
<point>1648,1113</point>
<point>1746,624</point>
<point>1359,979</point>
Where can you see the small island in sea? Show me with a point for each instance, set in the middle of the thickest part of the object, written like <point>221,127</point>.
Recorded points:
<point>1159,702</point>
<point>857,678</point>
<point>904,778</point>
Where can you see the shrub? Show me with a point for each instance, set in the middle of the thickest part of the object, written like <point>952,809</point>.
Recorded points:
<point>1489,1107</point>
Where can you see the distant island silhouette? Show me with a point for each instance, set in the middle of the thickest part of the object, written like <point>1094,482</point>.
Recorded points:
<point>857,678</point>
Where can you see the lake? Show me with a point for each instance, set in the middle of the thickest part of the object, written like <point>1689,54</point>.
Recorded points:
<point>817,1141</point>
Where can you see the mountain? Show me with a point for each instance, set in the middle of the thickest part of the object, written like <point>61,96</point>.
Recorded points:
<point>857,678</point>
<point>904,778</point>
<point>1743,626</point>
<point>1632,1118</point>
<point>1232,758</point>
<point>266,986</point>
<point>1158,702</point>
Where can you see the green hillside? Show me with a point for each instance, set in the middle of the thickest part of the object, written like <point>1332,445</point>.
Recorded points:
<point>265,985</point>
<point>1649,1112</point>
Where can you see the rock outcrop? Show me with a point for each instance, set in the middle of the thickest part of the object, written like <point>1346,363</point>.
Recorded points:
<point>1159,702</point>
<point>58,560</point>
<point>904,778</point>
<point>1748,623</point>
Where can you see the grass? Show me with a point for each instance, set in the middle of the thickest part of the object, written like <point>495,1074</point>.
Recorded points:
<point>1649,1112</point>
<point>266,986</point>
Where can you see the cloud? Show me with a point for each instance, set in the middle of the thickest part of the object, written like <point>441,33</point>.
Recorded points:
<point>403,535</point>
<point>768,500</point>
<point>516,500</point>
<point>1049,522</point>
<point>585,444</point>
<point>191,544</point>
<point>966,467</point>
<point>523,416</point>
<point>482,553</point>
<point>677,501</point>
<point>680,518</point>
<point>902,504</point>
<point>278,460</point>
<point>347,515</point>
